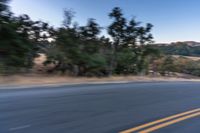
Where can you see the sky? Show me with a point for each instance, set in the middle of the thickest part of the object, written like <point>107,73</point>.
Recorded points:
<point>173,20</point>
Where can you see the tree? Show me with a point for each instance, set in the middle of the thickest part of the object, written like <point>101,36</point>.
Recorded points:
<point>167,65</point>
<point>20,38</point>
<point>14,47</point>
<point>68,17</point>
<point>117,29</point>
<point>128,36</point>
<point>88,35</point>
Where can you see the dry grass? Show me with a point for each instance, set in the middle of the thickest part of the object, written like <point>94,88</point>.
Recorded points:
<point>49,79</point>
<point>44,79</point>
<point>188,57</point>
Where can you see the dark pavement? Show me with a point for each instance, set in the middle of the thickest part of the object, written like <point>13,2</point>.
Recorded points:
<point>100,108</point>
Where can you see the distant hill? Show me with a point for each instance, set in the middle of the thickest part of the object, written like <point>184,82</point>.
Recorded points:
<point>188,48</point>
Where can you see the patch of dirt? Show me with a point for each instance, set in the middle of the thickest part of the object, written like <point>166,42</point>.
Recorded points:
<point>194,58</point>
<point>39,66</point>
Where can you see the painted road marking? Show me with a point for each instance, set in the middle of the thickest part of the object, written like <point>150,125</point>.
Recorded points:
<point>169,123</point>
<point>160,121</point>
<point>19,128</point>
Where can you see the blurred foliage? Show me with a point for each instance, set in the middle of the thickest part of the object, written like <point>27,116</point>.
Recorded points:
<point>82,51</point>
<point>20,39</point>
<point>180,64</point>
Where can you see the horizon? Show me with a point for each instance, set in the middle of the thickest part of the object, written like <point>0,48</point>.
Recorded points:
<point>178,42</point>
<point>174,21</point>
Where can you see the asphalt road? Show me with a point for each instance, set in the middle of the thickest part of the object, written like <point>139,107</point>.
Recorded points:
<point>100,108</point>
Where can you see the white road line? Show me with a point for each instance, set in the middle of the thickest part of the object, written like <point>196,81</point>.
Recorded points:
<point>19,128</point>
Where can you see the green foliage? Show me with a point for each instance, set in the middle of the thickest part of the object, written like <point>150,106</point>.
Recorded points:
<point>80,50</point>
<point>14,47</point>
<point>128,39</point>
<point>20,39</point>
<point>126,63</point>
<point>167,65</point>
<point>77,50</point>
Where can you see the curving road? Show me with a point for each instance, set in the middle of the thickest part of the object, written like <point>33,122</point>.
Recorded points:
<point>100,108</point>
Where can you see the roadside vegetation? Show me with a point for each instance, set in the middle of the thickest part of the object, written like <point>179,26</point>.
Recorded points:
<point>188,48</point>
<point>71,49</point>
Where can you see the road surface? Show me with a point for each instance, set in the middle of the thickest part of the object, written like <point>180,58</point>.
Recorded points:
<point>102,108</point>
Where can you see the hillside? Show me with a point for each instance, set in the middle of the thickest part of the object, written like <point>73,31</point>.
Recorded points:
<point>188,48</point>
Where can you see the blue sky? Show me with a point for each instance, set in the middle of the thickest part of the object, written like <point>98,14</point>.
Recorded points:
<point>173,20</point>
